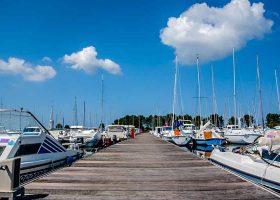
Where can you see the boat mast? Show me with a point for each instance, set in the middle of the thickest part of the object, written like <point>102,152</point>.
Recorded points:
<point>75,114</point>
<point>213,96</point>
<point>234,86</point>
<point>175,87</point>
<point>198,84</point>
<point>278,98</point>
<point>102,93</point>
<point>260,91</point>
<point>51,123</point>
<point>84,115</point>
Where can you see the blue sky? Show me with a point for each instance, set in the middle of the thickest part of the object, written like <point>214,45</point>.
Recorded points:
<point>128,33</point>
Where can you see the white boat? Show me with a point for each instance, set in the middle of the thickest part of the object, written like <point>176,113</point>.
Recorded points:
<point>95,137</point>
<point>258,162</point>
<point>236,135</point>
<point>22,135</point>
<point>181,140</point>
<point>115,132</point>
<point>157,131</point>
<point>249,167</point>
<point>166,133</point>
<point>80,134</point>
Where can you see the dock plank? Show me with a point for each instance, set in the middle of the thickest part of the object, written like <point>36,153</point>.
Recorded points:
<point>144,168</point>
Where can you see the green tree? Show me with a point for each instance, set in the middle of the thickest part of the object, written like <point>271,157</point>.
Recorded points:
<point>231,120</point>
<point>248,120</point>
<point>272,119</point>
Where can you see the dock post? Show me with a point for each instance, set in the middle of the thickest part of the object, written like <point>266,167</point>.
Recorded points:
<point>10,179</point>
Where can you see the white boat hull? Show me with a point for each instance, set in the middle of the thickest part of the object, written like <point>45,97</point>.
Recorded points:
<point>248,167</point>
<point>242,139</point>
<point>181,140</point>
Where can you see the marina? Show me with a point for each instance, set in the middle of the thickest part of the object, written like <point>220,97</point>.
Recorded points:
<point>144,168</point>
<point>139,100</point>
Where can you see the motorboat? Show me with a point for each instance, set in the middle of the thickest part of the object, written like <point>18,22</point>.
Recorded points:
<point>166,133</point>
<point>80,134</point>
<point>236,135</point>
<point>258,162</point>
<point>94,139</point>
<point>115,132</point>
<point>22,135</point>
<point>208,135</point>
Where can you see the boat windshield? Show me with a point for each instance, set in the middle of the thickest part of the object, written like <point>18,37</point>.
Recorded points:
<point>18,122</point>
<point>116,129</point>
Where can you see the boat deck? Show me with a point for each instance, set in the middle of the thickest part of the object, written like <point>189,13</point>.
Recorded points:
<point>144,168</point>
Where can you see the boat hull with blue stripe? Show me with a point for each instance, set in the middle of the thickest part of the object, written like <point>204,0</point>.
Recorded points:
<point>40,153</point>
<point>209,142</point>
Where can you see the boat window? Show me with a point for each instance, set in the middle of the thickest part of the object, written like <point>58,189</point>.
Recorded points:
<point>116,129</point>
<point>1,150</point>
<point>27,149</point>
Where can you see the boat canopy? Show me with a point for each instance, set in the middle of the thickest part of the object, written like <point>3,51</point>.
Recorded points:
<point>19,122</point>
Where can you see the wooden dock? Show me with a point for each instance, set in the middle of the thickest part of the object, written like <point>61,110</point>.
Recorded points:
<point>144,168</point>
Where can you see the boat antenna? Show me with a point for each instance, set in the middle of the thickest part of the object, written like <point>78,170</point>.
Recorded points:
<point>234,85</point>
<point>276,81</point>
<point>175,87</point>
<point>198,85</point>
<point>260,91</point>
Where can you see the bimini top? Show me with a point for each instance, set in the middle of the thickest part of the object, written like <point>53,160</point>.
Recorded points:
<point>20,122</point>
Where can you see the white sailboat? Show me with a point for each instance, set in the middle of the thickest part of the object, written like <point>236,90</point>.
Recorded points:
<point>176,135</point>
<point>22,135</point>
<point>207,134</point>
<point>233,133</point>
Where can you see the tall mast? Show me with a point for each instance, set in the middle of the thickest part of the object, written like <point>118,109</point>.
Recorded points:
<point>260,91</point>
<point>175,87</point>
<point>278,98</point>
<point>84,115</point>
<point>213,96</point>
<point>51,123</point>
<point>102,93</point>
<point>75,113</point>
<point>198,85</point>
<point>234,86</point>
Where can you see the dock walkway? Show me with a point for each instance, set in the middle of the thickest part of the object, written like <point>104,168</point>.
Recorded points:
<point>144,168</point>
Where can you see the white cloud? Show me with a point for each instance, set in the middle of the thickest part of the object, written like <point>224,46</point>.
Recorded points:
<point>213,32</point>
<point>16,66</point>
<point>86,60</point>
<point>47,59</point>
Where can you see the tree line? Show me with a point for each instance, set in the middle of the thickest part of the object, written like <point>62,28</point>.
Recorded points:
<point>148,122</point>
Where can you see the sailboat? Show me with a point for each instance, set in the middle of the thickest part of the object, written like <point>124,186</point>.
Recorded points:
<point>175,134</point>
<point>207,135</point>
<point>233,133</point>
<point>23,136</point>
